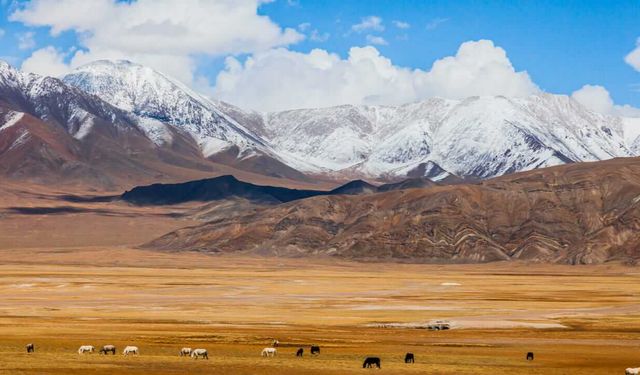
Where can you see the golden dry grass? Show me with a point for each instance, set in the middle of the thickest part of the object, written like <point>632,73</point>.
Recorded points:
<point>73,278</point>
<point>233,306</point>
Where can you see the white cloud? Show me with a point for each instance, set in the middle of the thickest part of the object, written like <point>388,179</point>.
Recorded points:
<point>401,24</point>
<point>26,41</point>
<point>378,40</point>
<point>165,34</point>
<point>368,23</point>
<point>304,26</point>
<point>598,99</point>
<point>46,61</point>
<point>316,36</point>
<point>633,58</point>
<point>434,23</point>
<point>282,79</point>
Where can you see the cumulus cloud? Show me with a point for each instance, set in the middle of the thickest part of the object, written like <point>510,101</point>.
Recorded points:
<point>165,34</point>
<point>633,58</point>
<point>282,79</point>
<point>316,36</point>
<point>598,99</point>
<point>368,23</point>
<point>26,41</point>
<point>46,61</point>
<point>378,40</point>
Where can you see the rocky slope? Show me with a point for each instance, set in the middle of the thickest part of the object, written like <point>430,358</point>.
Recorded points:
<point>579,214</point>
<point>163,103</point>
<point>479,137</point>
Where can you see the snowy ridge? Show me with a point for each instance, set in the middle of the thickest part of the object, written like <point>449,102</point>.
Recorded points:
<point>156,98</point>
<point>479,136</point>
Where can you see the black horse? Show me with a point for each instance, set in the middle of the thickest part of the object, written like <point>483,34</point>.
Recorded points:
<point>299,352</point>
<point>108,348</point>
<point>530,356</point>
<point>409,358</point>
<point>31,348</point>
<point>315,349</point>
<point>370,362</point>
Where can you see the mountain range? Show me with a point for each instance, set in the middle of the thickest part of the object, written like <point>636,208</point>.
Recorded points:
<point>117,120</point>
<point>481,179</point>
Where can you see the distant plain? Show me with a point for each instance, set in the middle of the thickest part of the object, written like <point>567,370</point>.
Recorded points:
<point>74,277</point>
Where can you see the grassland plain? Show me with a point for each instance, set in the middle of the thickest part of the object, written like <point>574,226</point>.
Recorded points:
<point>576,320</point>
<point>70,275</point>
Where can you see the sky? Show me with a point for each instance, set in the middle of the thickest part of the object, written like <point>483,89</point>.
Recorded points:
<point>283,54</point>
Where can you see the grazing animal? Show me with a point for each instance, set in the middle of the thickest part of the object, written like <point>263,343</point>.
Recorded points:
<point>185,352</point>
<point>275,343</point>
<point>530,356</point>
<point>130,350</point>
<point>86,349</point>
<point>315,349</point>
<point>409,358</point>
<point>31,348</point>
<point>269,352</point>
<point>370,362</point>
<point>299,352</point>
<point>632,371</point>
<point>108,348</point>
<point>195,353</point>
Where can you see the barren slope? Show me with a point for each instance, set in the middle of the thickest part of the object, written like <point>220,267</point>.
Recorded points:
<point>581,213</point>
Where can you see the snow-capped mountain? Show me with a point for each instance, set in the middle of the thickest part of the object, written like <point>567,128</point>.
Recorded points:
<point>158,99</point>
<point>477,137</point>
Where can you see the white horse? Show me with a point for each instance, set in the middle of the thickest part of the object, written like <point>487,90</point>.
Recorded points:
<point>130,350</point>
<point>185,352</point>
<point>275,343</point>
<point>195,353</point>
<point>269,352</point>
<point>86,349</point>
<point>632,371</point>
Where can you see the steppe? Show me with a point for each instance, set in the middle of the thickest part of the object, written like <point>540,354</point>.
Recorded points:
<point>71,274</point>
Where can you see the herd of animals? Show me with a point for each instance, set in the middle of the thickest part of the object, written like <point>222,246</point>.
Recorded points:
<point>369,362</point>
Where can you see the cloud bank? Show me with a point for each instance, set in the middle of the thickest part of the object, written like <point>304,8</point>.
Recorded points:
<point>166,35</point>
<point>281,79</point>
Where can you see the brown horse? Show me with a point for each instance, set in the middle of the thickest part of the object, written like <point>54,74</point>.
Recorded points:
<point>315,349</point>
<point>31,348</point>
<point>370,362</point>
<point>299,352</point>
<point>409,358</point>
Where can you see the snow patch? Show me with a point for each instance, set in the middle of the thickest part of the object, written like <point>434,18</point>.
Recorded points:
<point>156,131</point>
<point>12,119</point>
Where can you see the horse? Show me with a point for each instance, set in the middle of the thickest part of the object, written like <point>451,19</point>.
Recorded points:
<point>195,353</point>
<point>370,362</point>
<point>315,349</point>
<point>299,352</point>
<point>530,356</point>
<point>86,349</point>
<point>185,352</point>
<point>409,358</point>
<point>632,371</point>
<point>130,350</point>
<point>269,352</point>
<point>30,348</point>
<point>108,348</point>
<point>275,343</point>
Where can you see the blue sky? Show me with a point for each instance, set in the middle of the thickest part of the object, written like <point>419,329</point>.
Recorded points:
<point>562,45</point>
